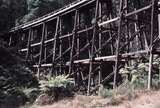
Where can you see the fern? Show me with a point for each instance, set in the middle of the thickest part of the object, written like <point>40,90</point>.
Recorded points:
<point>61,81</point>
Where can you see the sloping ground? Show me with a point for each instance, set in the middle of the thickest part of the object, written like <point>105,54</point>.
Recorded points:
<point>143,100</point>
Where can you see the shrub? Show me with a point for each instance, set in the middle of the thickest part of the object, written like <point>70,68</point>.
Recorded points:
<point>55,89</point>
<point>31,93</point>
<point>14,75</point>
<point>104,92</point>
<point>126,90</point>
<point>57,82</point>
<point>138,73</point>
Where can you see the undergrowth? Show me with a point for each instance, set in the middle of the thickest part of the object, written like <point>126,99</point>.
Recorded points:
<point>135,77</point>
<point>61,81</point>
<point>55,89</point>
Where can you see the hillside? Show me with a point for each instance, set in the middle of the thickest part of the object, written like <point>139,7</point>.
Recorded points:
<point>144,99</point>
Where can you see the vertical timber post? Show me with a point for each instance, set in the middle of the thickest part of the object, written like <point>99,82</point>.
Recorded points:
<point>151,46</point>
<point>60,46</point>
<point>29,43</point>
<point>73,42</point>
<point>41,48</point>
<point>92,47</point>
<point>127,27</point>
<point>78,50</point>
<point>45,46</point>
<point>117,46</point>
<point>100,46</point>
<point>55,46</point>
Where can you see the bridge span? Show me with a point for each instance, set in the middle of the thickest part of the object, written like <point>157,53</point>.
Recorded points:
<point>90,40</point>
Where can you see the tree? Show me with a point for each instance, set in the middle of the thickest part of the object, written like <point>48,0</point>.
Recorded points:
<point>15,12</point>
<point>10,10</point>
<point>37,8</point>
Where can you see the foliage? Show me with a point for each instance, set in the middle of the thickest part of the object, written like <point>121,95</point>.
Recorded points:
<point>12,97</point>
<point>10,10</point>
<point>135,77</point>
<point>13,76</point>
<point>55,89</point>
<point>15,12</point>
<point>31,93</point>
<point>104,92</point>
<point>126,89</point>
<point>37,8</point>
<point>57,82</point>
<point>139,72</point>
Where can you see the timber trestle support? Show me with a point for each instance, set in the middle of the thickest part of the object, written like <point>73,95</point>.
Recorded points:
<point>90,40</point>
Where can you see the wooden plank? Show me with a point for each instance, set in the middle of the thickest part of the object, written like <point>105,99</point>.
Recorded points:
<point>43,65</point>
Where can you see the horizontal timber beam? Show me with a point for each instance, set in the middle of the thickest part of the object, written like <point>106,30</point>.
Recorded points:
<point>127,15</point>
<point>102,59</point>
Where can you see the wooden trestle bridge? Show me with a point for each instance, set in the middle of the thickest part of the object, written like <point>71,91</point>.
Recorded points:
<point>89,41</point>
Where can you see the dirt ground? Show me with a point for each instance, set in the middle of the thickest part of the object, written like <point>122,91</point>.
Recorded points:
<point>145,99</point>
